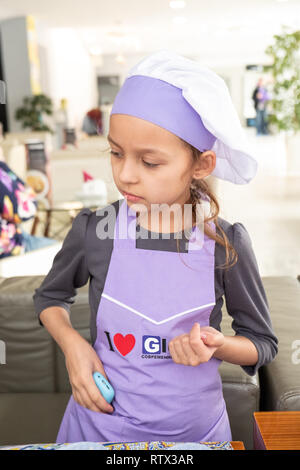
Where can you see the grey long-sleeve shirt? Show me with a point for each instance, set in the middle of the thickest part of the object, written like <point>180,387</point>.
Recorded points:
<point>85,257</point>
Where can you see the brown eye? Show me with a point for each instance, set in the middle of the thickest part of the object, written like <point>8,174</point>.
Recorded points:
<point>149,165</point>
<point>113,153</point>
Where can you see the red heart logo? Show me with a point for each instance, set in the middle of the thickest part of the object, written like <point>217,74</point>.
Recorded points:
<point>124,344</point>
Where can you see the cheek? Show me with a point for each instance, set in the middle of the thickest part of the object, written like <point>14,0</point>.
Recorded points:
<point>175,178</point>
<point>115,172</point>
<point>116,167</point>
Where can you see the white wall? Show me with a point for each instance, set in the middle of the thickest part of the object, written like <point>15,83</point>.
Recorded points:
<point>234,78</point>
<point>67,71</point>
<point>233,74</point>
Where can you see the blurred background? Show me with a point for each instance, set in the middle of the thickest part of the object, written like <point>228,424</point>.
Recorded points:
<point>62,64</point>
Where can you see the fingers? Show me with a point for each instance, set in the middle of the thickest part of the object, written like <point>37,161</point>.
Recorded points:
<point>82,398</point>
<point>196,342</point>
<point>182,351</point>
<point>177,351</point>
<point>89,396</point>
<point>196,347</point>
<point>98,399</point>
<point>213,338</point>
<point>193,358</point>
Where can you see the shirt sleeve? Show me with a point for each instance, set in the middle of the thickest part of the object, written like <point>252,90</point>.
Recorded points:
<point>68,272</point>
<point>246,300</point>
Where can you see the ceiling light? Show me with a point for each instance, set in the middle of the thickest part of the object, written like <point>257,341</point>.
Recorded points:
<point>116,33</point>
<point>176,4</point>
<point>234,28</point>
<point>120,59</point>
<point>95,50</point>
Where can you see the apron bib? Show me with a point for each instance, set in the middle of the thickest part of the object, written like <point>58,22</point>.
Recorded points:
<point>149,297</point>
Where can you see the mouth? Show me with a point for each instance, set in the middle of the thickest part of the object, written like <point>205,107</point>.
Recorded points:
<point>129,195</point>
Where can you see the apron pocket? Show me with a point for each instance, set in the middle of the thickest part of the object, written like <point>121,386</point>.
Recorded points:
<point>99,427</point>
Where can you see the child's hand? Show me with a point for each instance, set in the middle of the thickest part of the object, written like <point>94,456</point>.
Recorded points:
<point>196,347</point>
<point>81,361</point>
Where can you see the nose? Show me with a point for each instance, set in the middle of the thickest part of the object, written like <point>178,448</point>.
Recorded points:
<point>128,172</point>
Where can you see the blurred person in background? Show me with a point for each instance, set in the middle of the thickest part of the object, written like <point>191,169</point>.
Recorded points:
<point>61,121</point>
<point>92,122</point>
<point>261,97</point>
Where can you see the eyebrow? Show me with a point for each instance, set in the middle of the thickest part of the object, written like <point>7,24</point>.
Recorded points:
<point>147,149</point>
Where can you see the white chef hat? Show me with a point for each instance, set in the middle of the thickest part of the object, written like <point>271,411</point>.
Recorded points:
<point>192,102</point>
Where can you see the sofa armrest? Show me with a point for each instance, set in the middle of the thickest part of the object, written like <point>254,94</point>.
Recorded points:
<point>280,380</point>
<point>241,393</point>
<point>31,417</point>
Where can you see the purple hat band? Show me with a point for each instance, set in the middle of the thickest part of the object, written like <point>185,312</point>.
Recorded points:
<point>162,104</point>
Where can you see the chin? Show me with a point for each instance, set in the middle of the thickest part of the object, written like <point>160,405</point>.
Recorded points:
<point>137,206</point>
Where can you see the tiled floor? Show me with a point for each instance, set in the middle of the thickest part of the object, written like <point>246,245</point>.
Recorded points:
<point>269,208</point>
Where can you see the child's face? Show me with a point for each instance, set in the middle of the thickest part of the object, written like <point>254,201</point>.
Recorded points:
<point>142,144</point>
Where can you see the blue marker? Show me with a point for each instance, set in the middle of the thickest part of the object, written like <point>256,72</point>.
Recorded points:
<point>104,386</point>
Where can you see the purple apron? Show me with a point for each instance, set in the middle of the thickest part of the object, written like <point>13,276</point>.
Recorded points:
<point>150,297</point>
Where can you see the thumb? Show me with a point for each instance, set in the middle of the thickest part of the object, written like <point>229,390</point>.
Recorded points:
<point>208,339</point>
<point>196,331</point>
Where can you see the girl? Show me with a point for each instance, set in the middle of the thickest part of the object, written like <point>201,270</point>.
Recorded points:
<point>156,291</point>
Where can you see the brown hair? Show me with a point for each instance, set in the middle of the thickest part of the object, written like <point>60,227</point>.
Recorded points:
<point>201,186</point>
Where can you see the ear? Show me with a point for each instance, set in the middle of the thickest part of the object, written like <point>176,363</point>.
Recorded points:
<point>205,164</point>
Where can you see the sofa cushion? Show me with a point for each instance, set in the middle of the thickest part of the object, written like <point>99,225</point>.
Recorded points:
<point>29,418</point>
<point>29,349</point>
<point>31,354</point>
<point>242,396</point>
<point>280,380</point>
<point>241,393</point>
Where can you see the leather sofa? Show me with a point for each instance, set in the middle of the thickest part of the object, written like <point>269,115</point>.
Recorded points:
<point>34,385</point>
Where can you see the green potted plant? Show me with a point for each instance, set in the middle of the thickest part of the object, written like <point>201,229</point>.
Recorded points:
<point>32,111</point>
<point>284,115</point>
